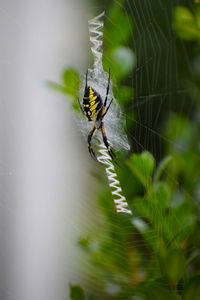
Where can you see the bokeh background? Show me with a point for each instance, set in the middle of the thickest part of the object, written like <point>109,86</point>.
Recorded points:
<point>43,164</point>
<point>60,235</point>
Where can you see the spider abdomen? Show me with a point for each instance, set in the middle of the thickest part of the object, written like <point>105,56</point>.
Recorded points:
<point>92,104</point>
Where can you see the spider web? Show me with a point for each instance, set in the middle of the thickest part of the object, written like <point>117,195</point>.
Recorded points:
<point>155,47</point>
<point>154,44</point>
<point>98,79</point>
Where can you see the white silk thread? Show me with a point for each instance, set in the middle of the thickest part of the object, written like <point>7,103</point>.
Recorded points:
<point>96,38</point>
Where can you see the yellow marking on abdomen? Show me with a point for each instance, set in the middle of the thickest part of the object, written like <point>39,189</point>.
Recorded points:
<point>93,98</point>
<point>91,93</point>
<point>93,113</point>
<point>92,107</point>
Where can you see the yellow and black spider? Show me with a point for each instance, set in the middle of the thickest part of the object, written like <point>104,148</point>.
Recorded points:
<point>95,110</point>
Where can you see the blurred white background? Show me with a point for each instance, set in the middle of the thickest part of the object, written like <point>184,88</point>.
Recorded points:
<point>43,163</point>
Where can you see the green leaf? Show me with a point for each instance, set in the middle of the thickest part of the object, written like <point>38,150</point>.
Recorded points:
<point>76,293</point>
<point>175,265</point>
<point>142,165</point>
<point>185,24</point>
<point>84,243</point>
<point>124,58</point>
<point>71,82</point>
<point>70,85</point>
<point>153,205</point>
<point>55,86</point>
<point>156,291</point>
<point>143,208</point>
<point>119,27</point>
<point>162,195</point>
<point>90,297</point>
<point>162,166</point>
<point>198,16</point>
<point>124,94</point>
<point>192,289</point>
<point>121,60</point>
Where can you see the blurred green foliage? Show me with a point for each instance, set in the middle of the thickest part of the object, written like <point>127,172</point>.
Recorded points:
<point>76,292</point>
<point>186,23</point>
<point>69,85</point>
<point>117,55</point>
<point>154,254</point>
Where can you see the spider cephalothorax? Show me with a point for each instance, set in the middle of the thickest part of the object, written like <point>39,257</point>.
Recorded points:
<point>95,110</point>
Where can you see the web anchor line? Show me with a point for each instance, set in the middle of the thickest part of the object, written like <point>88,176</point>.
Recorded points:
<point>120,201</point>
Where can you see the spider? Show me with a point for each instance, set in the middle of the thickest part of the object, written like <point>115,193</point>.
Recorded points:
<point>95,110</point>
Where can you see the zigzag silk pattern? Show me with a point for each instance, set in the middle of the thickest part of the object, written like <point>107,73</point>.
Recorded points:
<point>96,35</point>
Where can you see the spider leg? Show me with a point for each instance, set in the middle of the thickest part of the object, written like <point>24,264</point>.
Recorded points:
<point>80,105</point>
<point>86,78</point>
<point>85,89</point>
<point>107,109</point>
<point>107,91</point>
<point>105,140</point>
<point>91,151</point>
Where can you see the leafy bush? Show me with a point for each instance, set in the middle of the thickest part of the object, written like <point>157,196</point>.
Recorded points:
<point>154,254</point>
